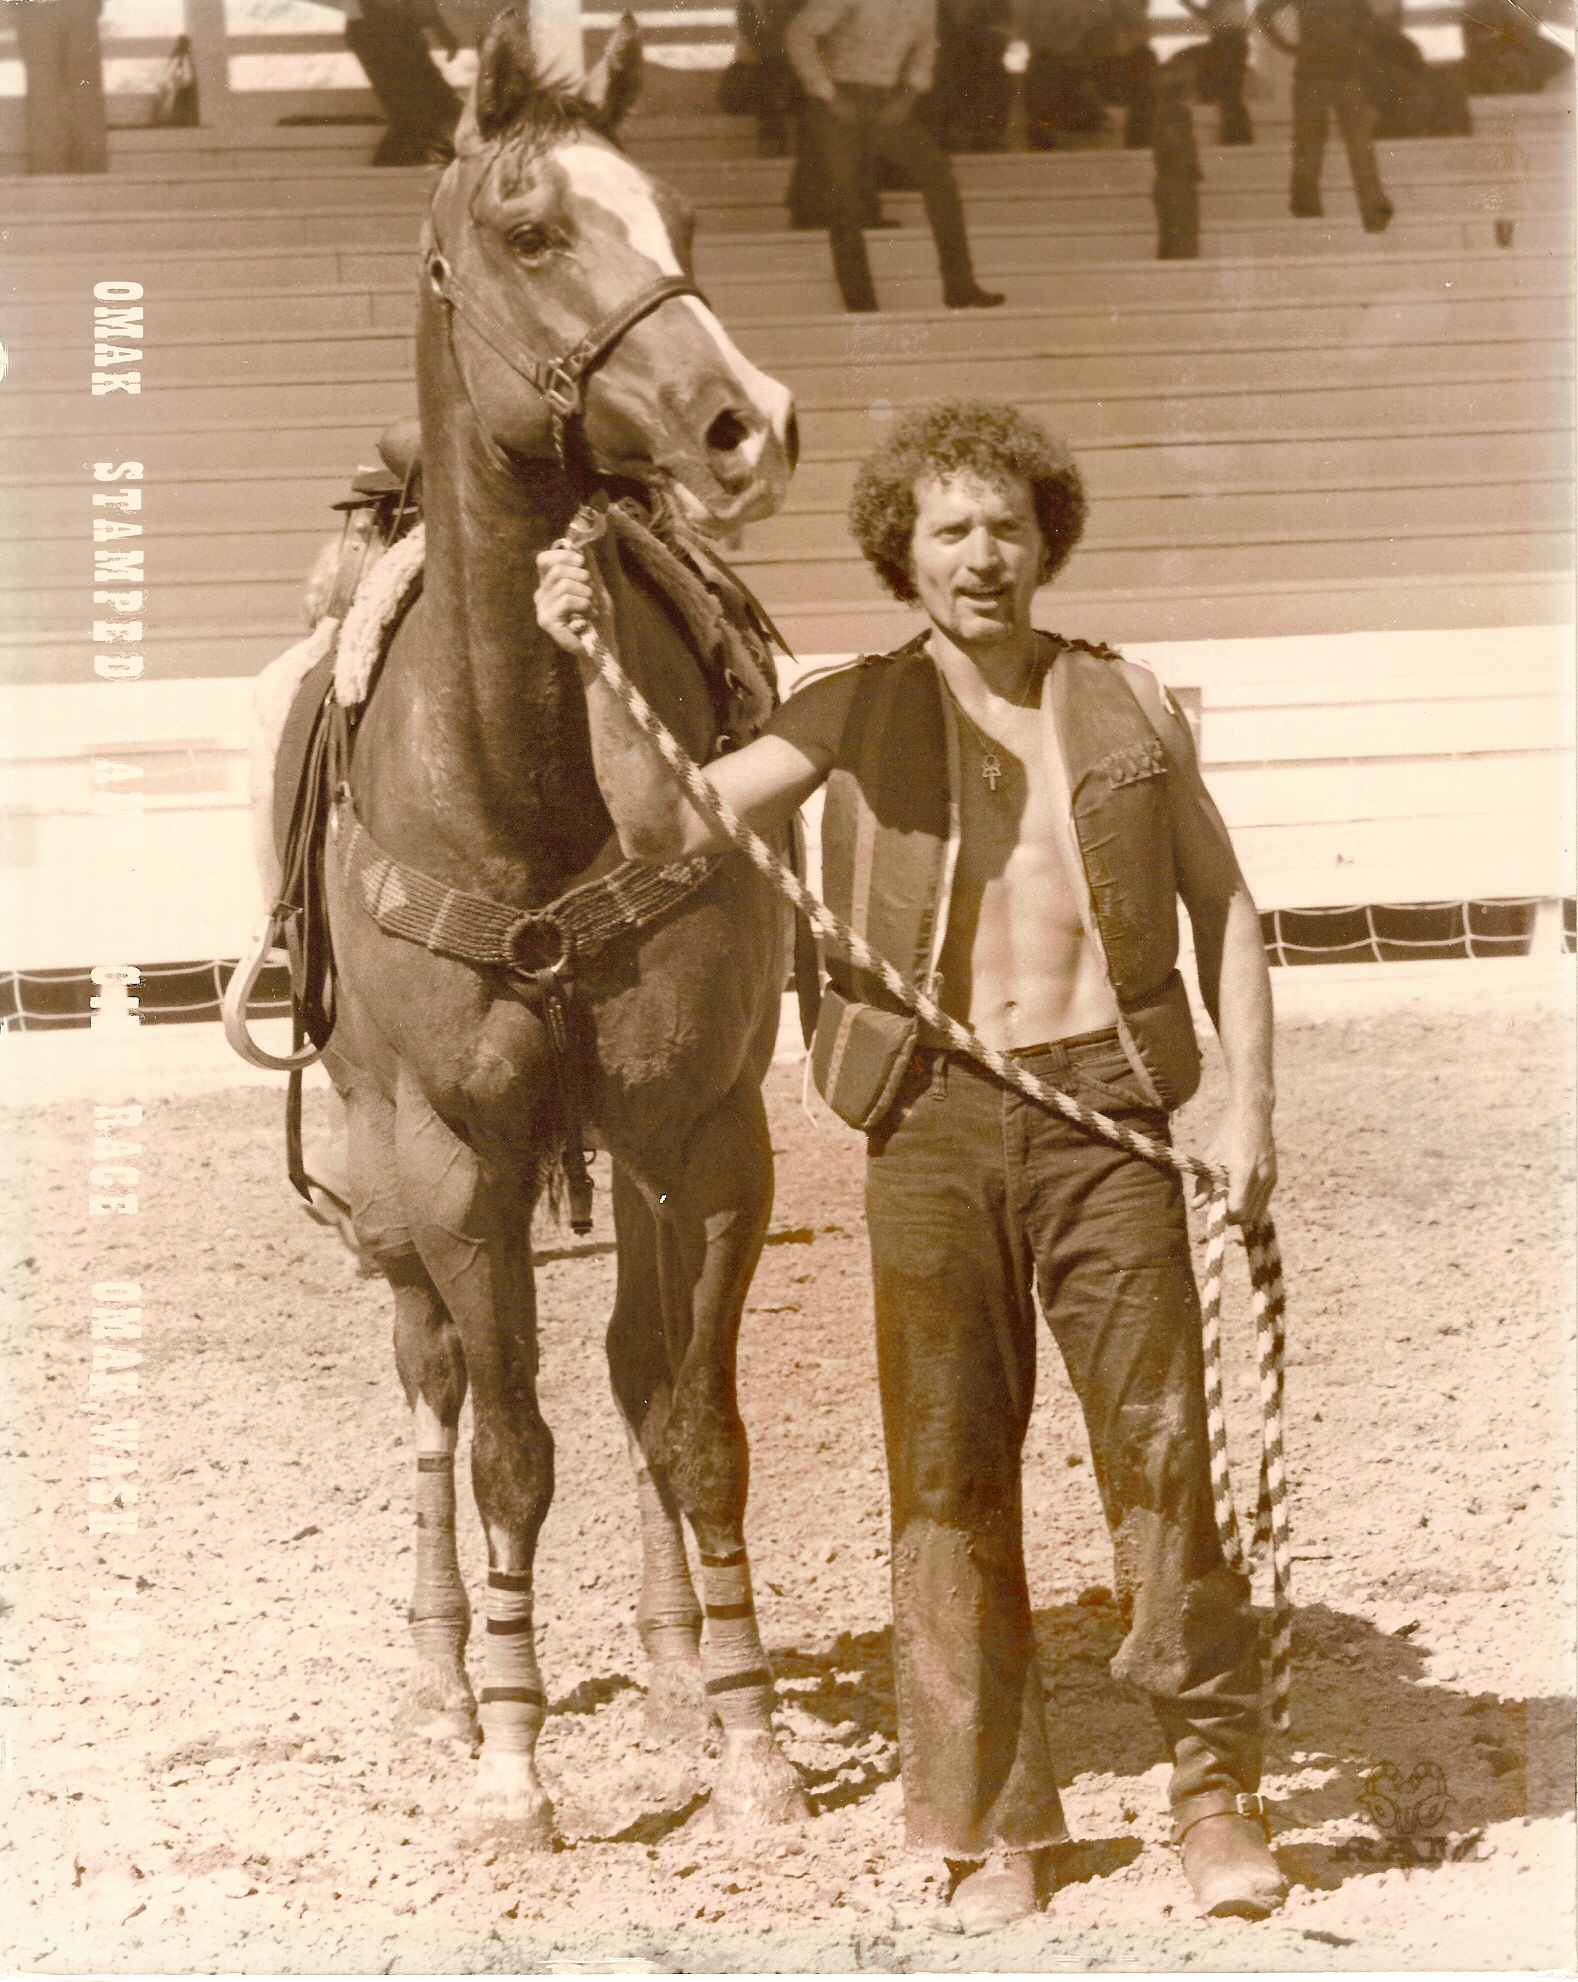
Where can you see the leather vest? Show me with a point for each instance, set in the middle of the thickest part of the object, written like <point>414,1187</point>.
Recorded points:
<point>890,831</point>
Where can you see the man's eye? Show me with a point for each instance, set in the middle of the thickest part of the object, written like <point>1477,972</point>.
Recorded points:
<point>531,241</point>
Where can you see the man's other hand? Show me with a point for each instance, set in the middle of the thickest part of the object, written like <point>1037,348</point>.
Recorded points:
<point>843,108</point>
<point>1247,1151</point>
<point>569,589</point>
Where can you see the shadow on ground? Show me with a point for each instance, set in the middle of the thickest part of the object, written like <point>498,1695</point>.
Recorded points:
<point>1361,1702</point>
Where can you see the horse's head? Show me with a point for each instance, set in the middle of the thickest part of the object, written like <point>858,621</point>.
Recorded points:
<point>563,271</point>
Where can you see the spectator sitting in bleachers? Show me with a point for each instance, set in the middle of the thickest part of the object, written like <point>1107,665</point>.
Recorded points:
<point>1504,52</point>
<point>968,106</point>
<point>1412,98</point>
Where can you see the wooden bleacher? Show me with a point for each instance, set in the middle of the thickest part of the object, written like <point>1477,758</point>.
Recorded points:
<point>1332,474</point>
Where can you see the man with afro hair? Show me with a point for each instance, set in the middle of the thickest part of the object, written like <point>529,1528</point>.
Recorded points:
<point>1011,817</point>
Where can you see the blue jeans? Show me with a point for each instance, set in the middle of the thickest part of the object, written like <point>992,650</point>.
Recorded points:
<point>974,1197</point>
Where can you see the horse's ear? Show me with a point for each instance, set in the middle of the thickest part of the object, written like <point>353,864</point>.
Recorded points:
<point>615,83</point>
<point>507,77</point>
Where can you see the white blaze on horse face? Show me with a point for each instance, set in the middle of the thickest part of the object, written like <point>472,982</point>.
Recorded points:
<point>623,192</point>
<point>606,177</point>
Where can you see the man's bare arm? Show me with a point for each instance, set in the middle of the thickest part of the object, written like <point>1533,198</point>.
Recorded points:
<point>764,783</point>
<point>1230,957</point>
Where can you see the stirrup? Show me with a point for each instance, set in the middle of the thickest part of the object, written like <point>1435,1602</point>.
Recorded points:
<point>238,996</point>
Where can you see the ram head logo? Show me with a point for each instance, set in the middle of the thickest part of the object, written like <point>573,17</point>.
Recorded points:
<point>1404,1802</point>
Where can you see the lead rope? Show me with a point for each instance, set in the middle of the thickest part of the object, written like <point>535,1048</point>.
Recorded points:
<point>1210,1185</point>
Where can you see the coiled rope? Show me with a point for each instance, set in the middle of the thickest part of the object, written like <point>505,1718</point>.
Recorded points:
<point>1210,1184</point>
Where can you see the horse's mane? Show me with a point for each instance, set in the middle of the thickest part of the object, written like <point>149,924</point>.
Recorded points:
<point>516,97</point>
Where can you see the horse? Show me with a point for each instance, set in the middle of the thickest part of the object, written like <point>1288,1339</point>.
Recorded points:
<point>561,346</point>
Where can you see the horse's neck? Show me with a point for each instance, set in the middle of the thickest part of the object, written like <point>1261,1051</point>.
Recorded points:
<point>486,712</point>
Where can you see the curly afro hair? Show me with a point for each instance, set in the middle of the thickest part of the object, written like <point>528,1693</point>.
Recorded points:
<point>962,436</point>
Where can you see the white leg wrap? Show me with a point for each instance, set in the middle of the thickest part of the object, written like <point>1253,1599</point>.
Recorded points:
<point>512,1702</point>
<point>739,1682</point>
<point>440,1616</point>
<point>668,1615</point>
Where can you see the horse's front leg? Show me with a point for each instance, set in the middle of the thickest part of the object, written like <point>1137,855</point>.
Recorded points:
<point>668,1614</point>
<point>432,1370</point>
<point>472,1226</point>
<point>712,1219</point>
<point>432,1373</point>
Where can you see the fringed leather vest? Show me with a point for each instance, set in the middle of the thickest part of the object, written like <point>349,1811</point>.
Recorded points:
<point>890,832</point>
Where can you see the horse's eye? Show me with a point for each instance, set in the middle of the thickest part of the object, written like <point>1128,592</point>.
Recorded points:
<point>531,241</point>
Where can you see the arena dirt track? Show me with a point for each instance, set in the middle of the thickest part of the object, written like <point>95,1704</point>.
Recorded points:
<point>241,1799</point>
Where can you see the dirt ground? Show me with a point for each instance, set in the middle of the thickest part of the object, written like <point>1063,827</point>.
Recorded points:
<point>200,1743</point>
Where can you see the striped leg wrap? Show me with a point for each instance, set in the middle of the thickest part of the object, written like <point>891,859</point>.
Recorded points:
<point>440,1616</point>
<point>512,1701</point>
<point>1260,1244</point>
<point>739,1681</point>
<point>668,1615</point>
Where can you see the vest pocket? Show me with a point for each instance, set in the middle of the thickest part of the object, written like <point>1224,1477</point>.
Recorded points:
<point>859,1056</point>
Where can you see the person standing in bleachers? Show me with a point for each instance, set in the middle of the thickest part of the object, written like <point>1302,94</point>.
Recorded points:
<point>1329,64</point>
<point>1127,69</point>
<point>58,41</point>
<point>386,37</point>
<point>862,64</point>
<point>772,94</point>
<point>1223,64</point>
<point>1175,190</point>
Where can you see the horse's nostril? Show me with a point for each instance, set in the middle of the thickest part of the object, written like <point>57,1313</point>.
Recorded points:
<point>727,432</point>
<point>792,441</point>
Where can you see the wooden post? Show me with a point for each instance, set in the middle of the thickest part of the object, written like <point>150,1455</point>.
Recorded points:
<point>556,30</point>
<point>205,23</point>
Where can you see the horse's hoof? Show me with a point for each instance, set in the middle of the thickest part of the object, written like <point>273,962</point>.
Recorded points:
<point>430,1723</point>
<point>677,1707</point>
<point>758,1787</point>
<point>508,1823</point>
<point>441,1706</point>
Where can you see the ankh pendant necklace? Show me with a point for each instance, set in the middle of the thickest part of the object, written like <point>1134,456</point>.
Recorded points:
<point>991,767</point>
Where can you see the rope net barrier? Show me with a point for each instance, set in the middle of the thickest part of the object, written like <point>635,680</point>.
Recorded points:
<point>1296,938</point>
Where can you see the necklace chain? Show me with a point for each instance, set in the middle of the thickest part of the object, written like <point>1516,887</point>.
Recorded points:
<point>992,771</point>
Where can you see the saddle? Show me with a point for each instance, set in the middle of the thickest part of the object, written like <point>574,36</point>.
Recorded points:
<point>314,751</point>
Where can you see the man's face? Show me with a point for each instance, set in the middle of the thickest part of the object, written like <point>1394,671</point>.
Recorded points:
<point>976,555</point>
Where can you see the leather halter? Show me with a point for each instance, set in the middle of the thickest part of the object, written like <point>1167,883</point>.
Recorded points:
<point>559,380</point>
